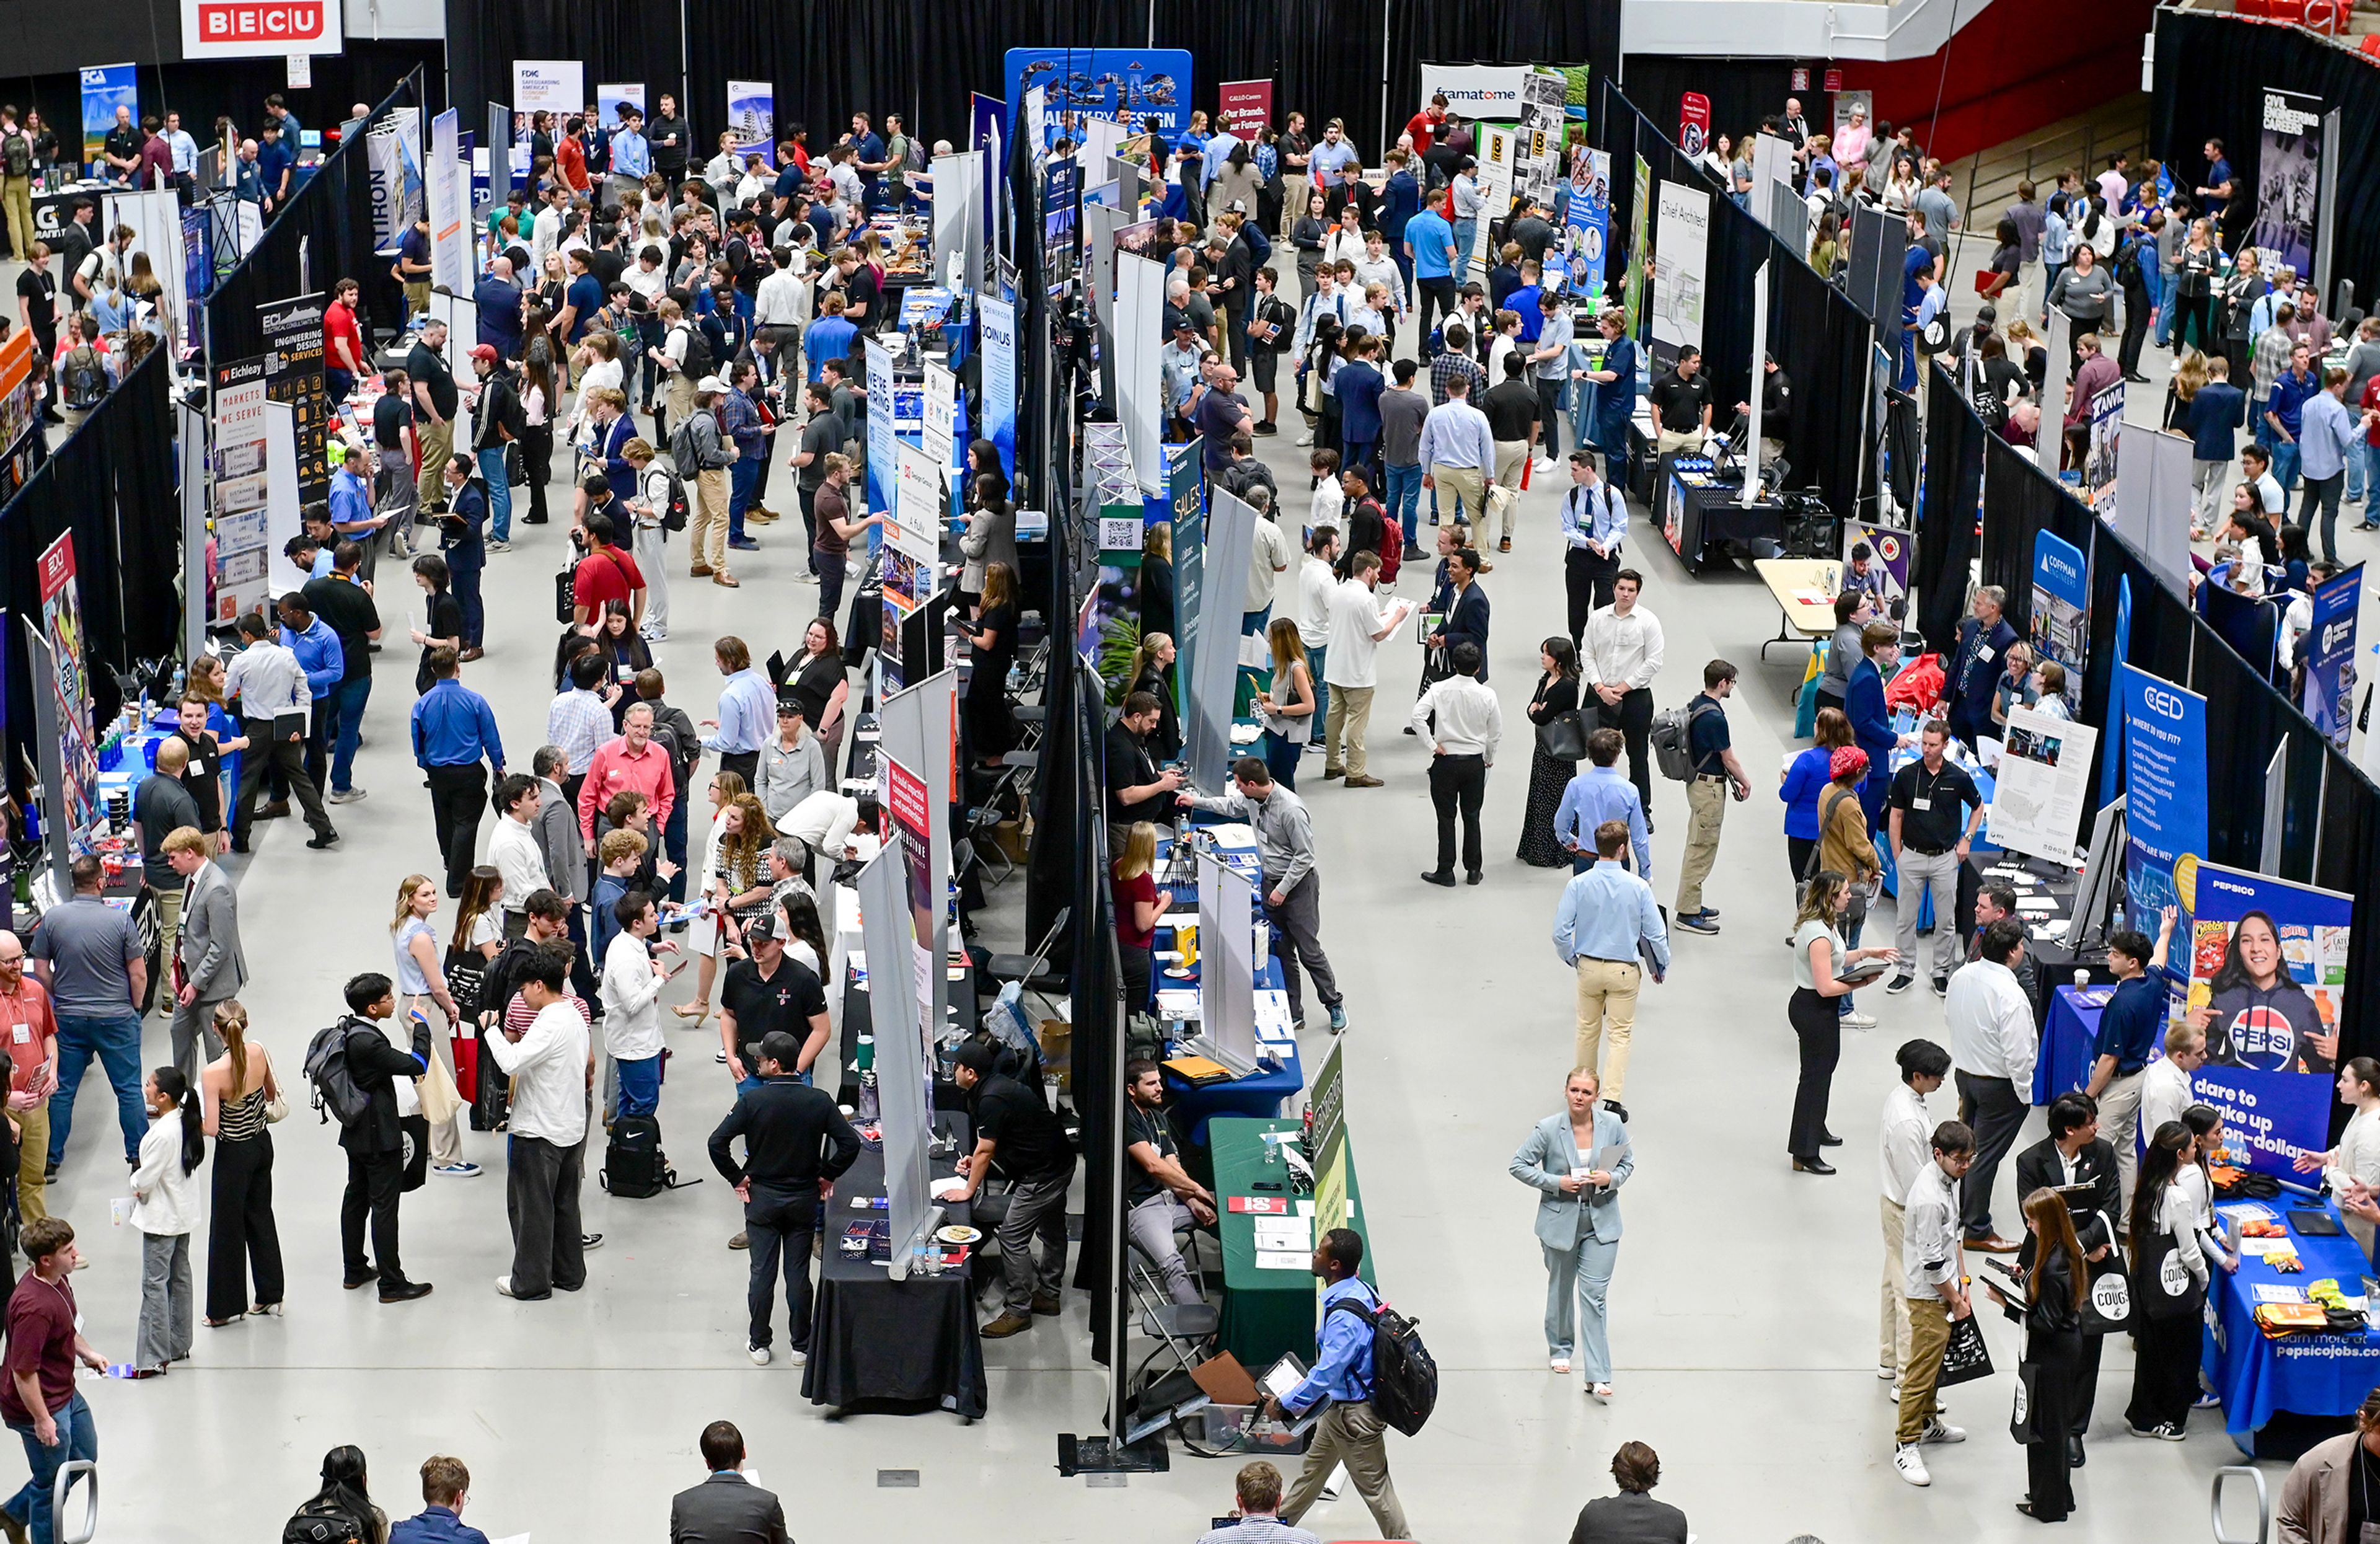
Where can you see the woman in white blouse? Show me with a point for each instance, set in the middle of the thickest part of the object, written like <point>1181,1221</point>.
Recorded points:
<point>703,934</point>
<point>2356,1160</point>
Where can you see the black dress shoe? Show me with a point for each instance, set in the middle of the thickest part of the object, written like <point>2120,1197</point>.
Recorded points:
<point>1828,1139</point>
<point>1618,1109</point>
<point>403,1291</point>
<point>370,1274</point>
<point>1438,875</point>
<point>2073,1451</point>
<point>1473,877</point>
<point>1813,1166</point>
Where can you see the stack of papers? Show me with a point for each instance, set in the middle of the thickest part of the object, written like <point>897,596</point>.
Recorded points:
<point>1246,734</point>
<point>1285,1232</point>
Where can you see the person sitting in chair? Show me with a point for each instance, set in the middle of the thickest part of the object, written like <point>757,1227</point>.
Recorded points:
<point>1163,1195</point>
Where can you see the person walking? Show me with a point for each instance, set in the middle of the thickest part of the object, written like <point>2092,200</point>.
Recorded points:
<point>1459,719</point>
<point>374,1140</point>
<point>275,707</point>
<point>45,1342</point>
<point>1623,653</point>
<point>1459,449</point>
<point>1936,811</point>
<point>1595,529</point>
<point>1994,1042</point>
<point>1350,667</point>
<point>210,964</point>
<point>1576,1161</point>
<point>2330,441</point>
<point>1904,1134</point>
<point>2129,1028</point>
<point>456,743</point>
<point>1292,884</point>
<point>702,453</point>
<point>1016,1130</point>
<point>796,1144</point>
<point>1349,1431</point>
<point>1716,774</point>
<point>548,1062</point>
<point>164,1210</point>
<point>1821,960</point>
<point>88,953</point>
<point>1553,709</point>
<point>1606,926</point>
<point>239,1091</point>
<point>1933,1278</point>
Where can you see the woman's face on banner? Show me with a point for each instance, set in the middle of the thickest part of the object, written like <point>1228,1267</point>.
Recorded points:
<point>2260,950</point>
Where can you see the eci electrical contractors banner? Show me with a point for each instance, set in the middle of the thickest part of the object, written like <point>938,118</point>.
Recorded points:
<point>2267,976</point>
<point>2061,608</point>
<point>2329,650</point>
<point>1127,86</point>
<point>259,28</point>
<point>2164,795</point>
<point>104,89</point>
<point>2289,181</point>
<point>752,120</point>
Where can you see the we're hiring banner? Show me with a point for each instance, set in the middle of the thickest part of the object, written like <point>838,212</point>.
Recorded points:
<point>260,29</point>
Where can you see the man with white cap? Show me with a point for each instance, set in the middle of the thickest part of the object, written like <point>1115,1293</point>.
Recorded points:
<point>703,455</point>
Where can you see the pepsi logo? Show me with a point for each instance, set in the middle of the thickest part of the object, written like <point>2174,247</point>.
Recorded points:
<point>2263,1038</point>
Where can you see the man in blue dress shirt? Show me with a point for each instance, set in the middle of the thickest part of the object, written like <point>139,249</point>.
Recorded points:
<point>1603,793</point>
<point>632,154</point>
<point>316,644</point>
<point>747,711</point>
<point>454,734</point>
<point>1607,923</point>
<point>1350,1432</point>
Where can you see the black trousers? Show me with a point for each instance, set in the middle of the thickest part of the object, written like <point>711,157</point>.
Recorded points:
<point>743,763</point>
<point>1438,293</point>
<point>1458,783</point>
<point>2136,331</point>
<point>1797,853</point>
<point>2049,1483</point>
<point>1818,1025</point>
<point>1992,1107</point>
<point>1587,580</point>
<point>458,796</point>
<point>2086,1384</point>
<point>779,1225</point>
<point>2164,1369</point>
<point>1632,716</point>
<point>375,1181</point>
<point>267,754</point>
<point>542,1203</point>
<point>242,1235</point>
<point>1137,965</point>
<point>321,725</point>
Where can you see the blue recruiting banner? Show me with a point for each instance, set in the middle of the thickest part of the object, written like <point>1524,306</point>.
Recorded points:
<point>883,446</point>
<point>2111,761</point>
<point>752,120</point>
<point>104,89</point>
<point>2061,608</point>
<point>2165,786</point>
<point>2267,980</point>
<point>1127,86</point>
<point>997,323</point>
<point>1186,492</point>
<point>2328,651</point>
<point>1588,218</point>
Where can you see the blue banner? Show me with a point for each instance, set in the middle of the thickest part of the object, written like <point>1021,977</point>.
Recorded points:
<point>2061,608</point>
<point>1186,490</point>
<point>883,445</point>
<point>2267,978</point>
<point>2328,651</point>
<point>2165,788</point>
<point>995,320</point>
<point>1588,218</point>
<point>2111,758</point>
<point>1129,86</point>
<point>104,89</point>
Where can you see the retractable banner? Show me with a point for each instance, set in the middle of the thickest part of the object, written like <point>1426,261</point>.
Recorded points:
<point>2289,181</point>
<point>609,99</point>
<point>1681,250</point>
<point>2061,608</point>
<point>2164,790</point>
<point>2329,654</point>
<point>104,89</point>
<point>752,120</point>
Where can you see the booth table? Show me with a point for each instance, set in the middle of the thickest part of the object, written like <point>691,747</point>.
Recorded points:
<point>1805,588</point>
<point>2321,1374</point>
<point>1695,508</point>
<point>1267,1314</point>
<point>880,1343</point>
<point>2068,1030</point>
<point>1261,1093</point>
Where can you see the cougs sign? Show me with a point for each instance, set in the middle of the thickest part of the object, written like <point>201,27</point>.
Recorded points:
<point>250,28</point>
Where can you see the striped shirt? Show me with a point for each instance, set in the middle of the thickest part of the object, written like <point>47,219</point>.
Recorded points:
<point>577,723</point>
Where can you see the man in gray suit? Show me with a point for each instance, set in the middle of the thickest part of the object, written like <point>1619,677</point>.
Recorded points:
<point>726,1508</point>
<point>213,966</point>
<point>556,826</point>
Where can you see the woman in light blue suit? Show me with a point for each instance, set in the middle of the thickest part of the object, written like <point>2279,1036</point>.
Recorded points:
<point>1578,1220</point>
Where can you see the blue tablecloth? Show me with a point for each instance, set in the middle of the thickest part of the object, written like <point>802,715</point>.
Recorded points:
<point>2066,1042</point>
<point>2307,1375</point>
<point>1262,1092</point>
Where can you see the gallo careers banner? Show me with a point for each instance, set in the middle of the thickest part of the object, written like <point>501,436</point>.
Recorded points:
<point>2330,653</point>
<point>2165,794</point>
<point>1127,86</point>
<point>2267,976</point>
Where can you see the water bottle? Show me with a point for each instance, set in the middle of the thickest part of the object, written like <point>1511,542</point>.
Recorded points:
<point>869,1106</point>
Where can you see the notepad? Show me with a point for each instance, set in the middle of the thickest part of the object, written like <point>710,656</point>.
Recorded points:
<point>1283,1259</point>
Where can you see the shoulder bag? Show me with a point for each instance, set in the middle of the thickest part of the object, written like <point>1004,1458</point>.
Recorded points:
<point>1856,913</point>
<point>1563,737</point>
<point>2163,1288</point>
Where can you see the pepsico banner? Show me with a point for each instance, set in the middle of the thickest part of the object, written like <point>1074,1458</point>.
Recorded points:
<point>260,29</point>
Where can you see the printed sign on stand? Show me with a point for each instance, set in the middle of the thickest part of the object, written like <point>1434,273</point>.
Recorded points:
<point>2061,608</point>
<point>549,85</point>
<point>2164,795</point>
<point>2043,776</point>
<point>74,800</point>
<point>2329,650</point>
<point>1245,106</point>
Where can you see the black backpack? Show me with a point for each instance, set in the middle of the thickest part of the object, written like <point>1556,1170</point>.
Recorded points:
<point>323,1522</point>
<point>513,414</point>
<point>84,377</point>
<point>680,510</point>
<point>337,1096</point>
<point>698,362</point>
<point>17,155</point>
<point>634,1165</point>
<point>1404,1374</point>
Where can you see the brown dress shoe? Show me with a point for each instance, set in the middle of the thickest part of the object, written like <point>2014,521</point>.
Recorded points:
<point>1364,782</point>
<point>1009,1323</point>
<point>1047,1303</point>
<point>700,571</point>
<point>1995,1244</point>
<point>1505,546</point>
<point>726,581</point>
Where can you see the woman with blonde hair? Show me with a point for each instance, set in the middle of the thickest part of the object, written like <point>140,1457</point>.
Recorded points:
<point>1152,672</point>
<point>1138,904</point>
<point>726,787</point>
<point>422,980</point>
<point>1157,579</point>
<point>240,1095</point>
<point>991,721</point>
<point>1285,707</point>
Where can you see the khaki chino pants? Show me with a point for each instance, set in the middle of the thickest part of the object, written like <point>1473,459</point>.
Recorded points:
<point>1607,987</point>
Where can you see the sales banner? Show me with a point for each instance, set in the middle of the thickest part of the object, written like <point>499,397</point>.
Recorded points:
<point>293,374</point>
<point>2164,795</point>
<point>262,29</point>
<point>104,89</point>
<point>752,120</point>
<point>450,248</point>
<point>2289,182</point>
<point>1186,492</point>
<point>609,99</point>
<point>1694,124</point>
<point>554,86</point>
<point>75,802</point>
<point>996,325</point>
<point>1125,86</point>
<point>1680,243</point>
<point>2267,983</point>
<point>2043,777</point>
<point>2328,651</point>
<point>2099,454</point>
<point>1244,107</point>
<point>393,153</point>
<point>1588,218</point>
<point>2061,608</point>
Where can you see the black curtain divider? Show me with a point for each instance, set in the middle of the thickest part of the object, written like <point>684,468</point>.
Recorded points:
<point>2021,502</point>
<point>1741,92</point>
<point>1821,340</point>
<point>1950,501</point>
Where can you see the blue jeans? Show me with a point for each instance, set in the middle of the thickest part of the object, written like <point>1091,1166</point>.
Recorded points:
<point>1404,498</point>
<point>348,704</point>
<point>2284,464</point>
<point>1281,754</point>
<point>1465,232</point>
<point>2371,459</point>
<point>500,493</point>
<point>2161,288</point>
<point>1321,693</point>
<point>78,1439</point>
<point>640,1085</point>
<point>1254,623</point>
<point>742,476</point>
<point>116,1039</point>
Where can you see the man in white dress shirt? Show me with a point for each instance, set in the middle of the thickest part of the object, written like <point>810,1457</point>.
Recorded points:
<point>1994,1042</point>
<point>548,1065</point>
<point>1358,626</point>
<point>1316,581</point>
<point>1620,654</point>
<point>1904,1136</point>
<point>2165,1085</point>
<point>514,852</point>
<point>1458,718</point>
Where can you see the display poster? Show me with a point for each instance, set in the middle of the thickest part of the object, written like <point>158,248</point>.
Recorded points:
<point>2061,608</point>
<point>2044,777</point>
<point>2267,983</point>
<point>2328,651</point>
<point>907,810</point>
<point>1215,661</point>
<point>1888,551</point>
<point>1326,1106</point>
<point>1497,148</point>
<point>912,534</point>
<point>1694,124</point>
<point>941,414</point>
<point>883,440</point>
<point>104,89</point>
<point>242,542</point>
<point>1490,92</point>
<point>609,99</point>
<point>1588,218</point>
<point>752,120</point>
<point>293,374</point>
<point>69,694</point>
<point>1186,492</point>
<point>1681,240</point>
<point>1062,191</point>
<point>556,86</point>
<point>263,30</point>
<point>393,152</point>
<point>1127,86</point>
<point>1640,214</point>
<point>2099,454</point>
<point>996,325</point>
<point>2289,182</point>
<point>1226,917</point>
<point>450,252</point>
<point>2164,795</point>
<point>19,408</point>
<point>1244,107</point>
<point>1537,159</point>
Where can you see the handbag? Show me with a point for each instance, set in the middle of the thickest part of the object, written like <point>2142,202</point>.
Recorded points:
<point>2108,1306</point>
<point>2022,1427</point>
<point>466,980</point>
<point>440,1098</point>
<point>1966,1358</point>
<point>416,1152</point>
<point>2162,1285</point>
<point>1563,737</point>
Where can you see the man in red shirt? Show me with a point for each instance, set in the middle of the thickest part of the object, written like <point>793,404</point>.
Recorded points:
<point>29,1031</point>
<point>343,340</point>
<point>606,573</point>
<point>37,1397</point>
<point>630,765</point>
<point>570,154</point>
<point>154,168</point>
<point>1423,126</point>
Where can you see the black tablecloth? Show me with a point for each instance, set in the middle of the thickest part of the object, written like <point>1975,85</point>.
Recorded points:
<point>904,1347</point>
<point>858,1018</point>
<point>1710,512</point>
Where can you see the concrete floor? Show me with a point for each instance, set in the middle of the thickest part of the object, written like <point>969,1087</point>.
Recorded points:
<point>1744,1311</point>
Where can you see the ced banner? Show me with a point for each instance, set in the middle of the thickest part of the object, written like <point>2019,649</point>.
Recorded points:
<point>2165,788</point>
<point>260,29</point>
<point>2267,976</point>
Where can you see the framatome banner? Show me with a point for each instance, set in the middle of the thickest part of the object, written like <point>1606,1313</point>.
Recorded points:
<point>1489,92</point>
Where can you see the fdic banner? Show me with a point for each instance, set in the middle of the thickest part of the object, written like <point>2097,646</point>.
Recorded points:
<point>259,28</point>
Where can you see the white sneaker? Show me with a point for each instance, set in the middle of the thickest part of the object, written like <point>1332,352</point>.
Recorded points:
<point>1884,1371</point>
<point>1939,1430</point>
<point>759,1356</point>
<point>1306,439</point>
<point>495,546</point>
<point>1858,1020</point>
<point>505,1286</point>
<point>798,1359</point>
<point>1545,464</point>
<point>1911,1464</point>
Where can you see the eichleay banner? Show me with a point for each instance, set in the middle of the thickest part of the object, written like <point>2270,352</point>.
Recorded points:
<point>2289,181</point>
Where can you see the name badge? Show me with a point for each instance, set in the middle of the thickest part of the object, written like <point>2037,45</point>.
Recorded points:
<point>1985,653</point>
<point>23,1034</point>
<point>1920,803</point>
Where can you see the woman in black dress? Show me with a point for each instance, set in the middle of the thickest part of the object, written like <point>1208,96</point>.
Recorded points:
<point>990,722</point>
<point>1556,694</point>
<point>2054,1291</point>
<point>1156,580</point>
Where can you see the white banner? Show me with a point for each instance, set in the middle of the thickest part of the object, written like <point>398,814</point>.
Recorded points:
<point>393,147</point>
<point>549,85</point>
<point>1489,92</point>
<point>448,189</point>
<point>1681,250</point>
<point>942,413</point>
<point>916,524</point>
<point>1140,385</point>
<point>260,29</point>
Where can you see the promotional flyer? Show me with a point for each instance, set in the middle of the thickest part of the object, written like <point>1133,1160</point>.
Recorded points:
<point>2165,788</point>
<point>2328,651</point>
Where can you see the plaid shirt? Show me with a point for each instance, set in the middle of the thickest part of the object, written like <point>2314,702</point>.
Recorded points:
<point>739,420</point>
<point>2269,359</point>
<point>1449,364</point>
<point>578,724</point>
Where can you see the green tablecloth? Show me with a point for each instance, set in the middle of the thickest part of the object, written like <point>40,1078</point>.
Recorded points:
<point>1266,1313</point>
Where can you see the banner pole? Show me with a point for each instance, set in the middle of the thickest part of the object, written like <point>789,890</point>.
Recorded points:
<point>1385,8</point>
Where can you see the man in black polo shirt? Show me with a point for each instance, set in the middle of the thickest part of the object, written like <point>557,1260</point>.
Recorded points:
<point>1017,1131</point>
<point>1682,405</point>
<point>1936,811</point>
<point>348,606</point>
<point>1137,790</point>
<point>796,1143</point>
<point>1160,1192</point>
<point>434,401</point>
<point>767,992</point>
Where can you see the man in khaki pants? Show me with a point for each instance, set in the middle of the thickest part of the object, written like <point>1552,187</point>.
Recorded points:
<point>1907,1131</point>
<point>1680,401</point>
<point>16,183</point>
<point>29,1031</point>
<point>1351,665</point>
<point>1932,1277</point>
<point>1716,774</point>
<point>1607,920</point>
<point>710,454</point>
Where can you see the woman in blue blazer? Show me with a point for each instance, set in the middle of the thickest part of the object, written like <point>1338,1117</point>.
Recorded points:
<point>1578,1220</point>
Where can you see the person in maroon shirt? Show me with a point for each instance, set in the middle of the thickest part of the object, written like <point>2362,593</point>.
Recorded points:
<point>154,167</point>
<point>38,1399</point>
<point>606,573</point>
